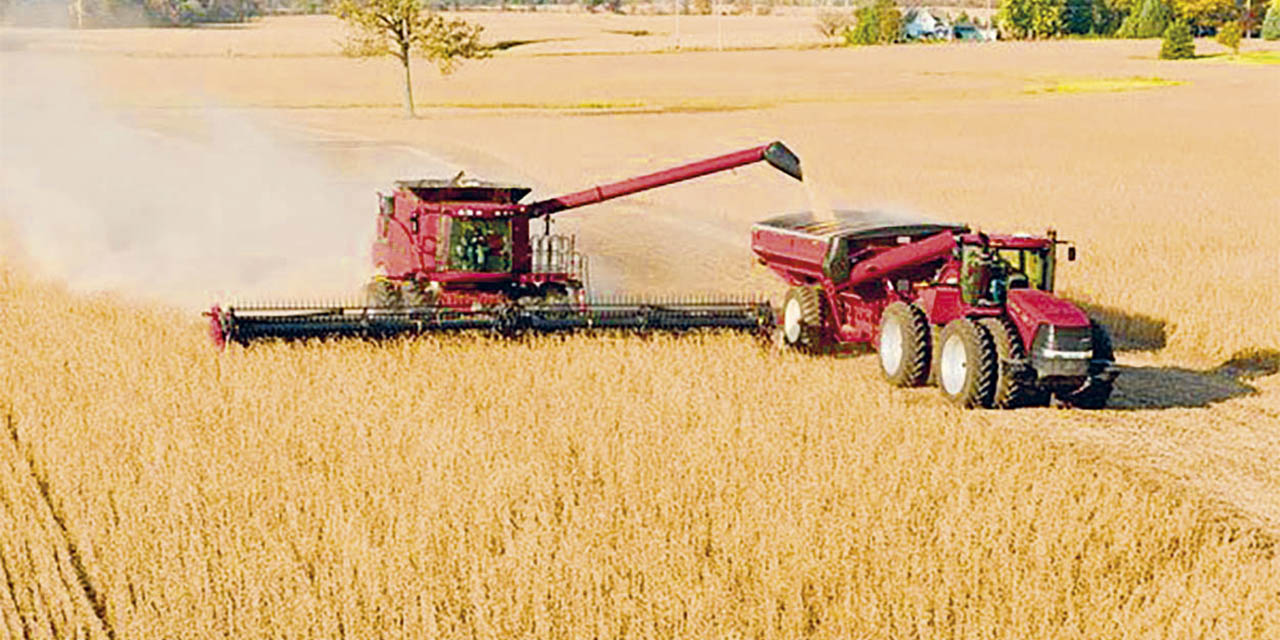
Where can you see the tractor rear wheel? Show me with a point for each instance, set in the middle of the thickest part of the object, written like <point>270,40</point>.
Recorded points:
<point>903,345</point>
<point>802,319</point>
<point>1095,393</point>
<point>967,364</point>
<point>1011,391</point>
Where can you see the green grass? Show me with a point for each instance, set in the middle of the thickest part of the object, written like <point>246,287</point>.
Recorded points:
<point>1246,58</point>
<point>1097,85</point>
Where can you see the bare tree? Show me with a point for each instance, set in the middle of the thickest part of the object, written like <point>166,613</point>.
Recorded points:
<point>401,28</point>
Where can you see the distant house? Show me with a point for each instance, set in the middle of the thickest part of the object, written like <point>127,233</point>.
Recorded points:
<point>924,24</point>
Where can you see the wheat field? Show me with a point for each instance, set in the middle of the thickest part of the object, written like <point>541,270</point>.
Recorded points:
<point>618,487</point>
<point>609,486</point>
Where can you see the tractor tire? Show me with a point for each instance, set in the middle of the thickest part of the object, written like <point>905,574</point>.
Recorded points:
<point>935,350</point>
<point>1095,393</point>
<point>904,345</point>
<point>967,364</point>
<point>802,319</point>
<point>1011,392</point>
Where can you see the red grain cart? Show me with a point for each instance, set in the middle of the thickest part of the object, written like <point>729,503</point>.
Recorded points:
<point>971,312</point>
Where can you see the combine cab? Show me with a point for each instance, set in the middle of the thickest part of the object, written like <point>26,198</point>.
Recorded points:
<point>971,312</point>
<point>460,255</point>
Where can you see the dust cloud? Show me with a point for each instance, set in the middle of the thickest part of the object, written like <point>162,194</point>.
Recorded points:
<point>213,208</point>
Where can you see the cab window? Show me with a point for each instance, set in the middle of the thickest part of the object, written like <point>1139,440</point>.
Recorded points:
<point>480,245</point>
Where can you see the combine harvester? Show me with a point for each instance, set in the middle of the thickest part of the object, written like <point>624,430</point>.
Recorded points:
<point>974,313</point>
<point>458,255</point>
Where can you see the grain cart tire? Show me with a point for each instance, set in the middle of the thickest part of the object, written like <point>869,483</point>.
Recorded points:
<point>1095,393</point>
<point>1012,391</point>
<point>967,364</point>
<point>802,319</point>
<point>903,345</point>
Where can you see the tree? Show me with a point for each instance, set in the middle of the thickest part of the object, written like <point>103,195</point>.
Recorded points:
<point>1077,17</point>
<point>1229,36</point>
<point>1271,24</point>
<point>1178,43</point>
<point>880,23</point>
<point>400,28</point>
<point>1150,21</point>
<point>1203,15</point>
<point>1032,19</point>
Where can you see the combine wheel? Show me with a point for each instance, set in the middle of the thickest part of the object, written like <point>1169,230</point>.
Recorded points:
<point>1012,391</point>
<point>904,345</point>
<point>1096,390</point>
<point>967,364</point>
<point>802,319</point>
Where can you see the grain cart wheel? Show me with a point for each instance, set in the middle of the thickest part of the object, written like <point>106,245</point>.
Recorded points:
<point>1012,389</point>
<point>1096,391</point>
<point>904,345</point>
<point>802,319</point>
<point>967,364</point>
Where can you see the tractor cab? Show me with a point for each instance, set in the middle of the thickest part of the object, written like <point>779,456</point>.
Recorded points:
<point>992,265</point>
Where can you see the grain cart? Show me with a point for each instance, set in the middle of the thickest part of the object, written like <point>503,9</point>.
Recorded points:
<point>458,254</point>
<point>942,303</point>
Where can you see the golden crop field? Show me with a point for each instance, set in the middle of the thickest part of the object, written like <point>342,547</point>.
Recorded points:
<point>612,486</point>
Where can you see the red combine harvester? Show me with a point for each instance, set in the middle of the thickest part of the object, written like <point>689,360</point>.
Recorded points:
<point>458,254</point>
<point>974,313</point>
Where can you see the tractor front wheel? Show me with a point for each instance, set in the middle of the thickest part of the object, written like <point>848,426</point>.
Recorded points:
<point>1012,391</point>
<point>967,364</point>
<point>903,345</point>
<point>802,319</point>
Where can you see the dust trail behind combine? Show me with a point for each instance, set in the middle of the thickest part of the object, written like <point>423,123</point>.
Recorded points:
<point>102,201</point>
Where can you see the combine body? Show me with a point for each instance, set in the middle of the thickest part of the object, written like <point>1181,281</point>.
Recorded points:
<point>462,254</point>
<point>974,313</point>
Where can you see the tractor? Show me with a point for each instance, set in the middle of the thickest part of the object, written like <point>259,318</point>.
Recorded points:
<point>941,303</point>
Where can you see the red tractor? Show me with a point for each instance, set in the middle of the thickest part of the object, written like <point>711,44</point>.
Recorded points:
<point>973,313</point>
<point>459,255</point>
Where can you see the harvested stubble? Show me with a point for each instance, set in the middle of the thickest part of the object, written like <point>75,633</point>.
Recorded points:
<point>581,487</point>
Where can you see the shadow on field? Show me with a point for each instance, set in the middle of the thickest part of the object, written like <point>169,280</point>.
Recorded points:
<point>1176,387</point>
<point>1129,331</point>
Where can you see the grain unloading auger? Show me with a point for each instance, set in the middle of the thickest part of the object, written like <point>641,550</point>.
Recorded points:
<point>456,255</point>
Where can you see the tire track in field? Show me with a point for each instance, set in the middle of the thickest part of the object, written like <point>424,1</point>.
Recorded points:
<point>96,601</point>
<point>1224,452</point>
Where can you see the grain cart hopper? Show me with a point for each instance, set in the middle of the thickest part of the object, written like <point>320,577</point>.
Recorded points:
<point>459,254</point>
<point>973,312</point>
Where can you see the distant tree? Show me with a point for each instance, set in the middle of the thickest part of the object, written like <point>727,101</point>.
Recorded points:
<point>1271,24</point>
<point>702,7</point>
<point>1108,15</point>
<point>1178,43</point>
<point>400,28</point>
<point>1229,36</point>
<point>1077,17</point>
<point>1150,21</point>
<point>1204,15</point>
<point>1031,19</point>
<point>833,23</point>
<point>879,23</point>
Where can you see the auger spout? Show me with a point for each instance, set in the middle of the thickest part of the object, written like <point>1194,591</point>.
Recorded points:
<point>775,153</point>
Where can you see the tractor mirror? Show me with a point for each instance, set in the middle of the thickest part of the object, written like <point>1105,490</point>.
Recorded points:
<point>1071,254</point>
